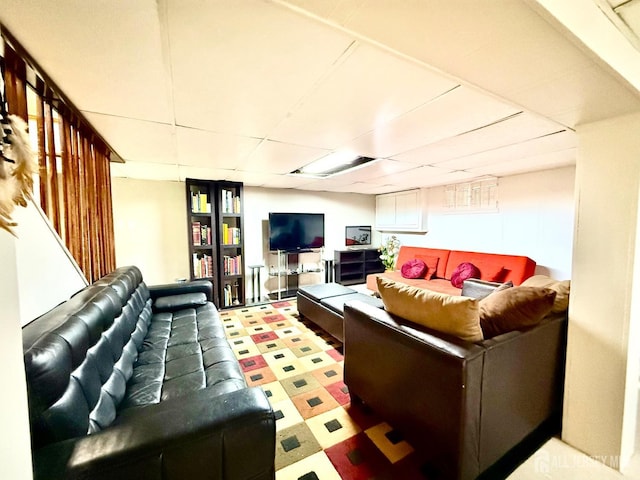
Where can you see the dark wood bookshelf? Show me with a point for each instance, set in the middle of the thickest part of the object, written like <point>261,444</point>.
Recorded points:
<point>353,266</point>
<point>216,243</point>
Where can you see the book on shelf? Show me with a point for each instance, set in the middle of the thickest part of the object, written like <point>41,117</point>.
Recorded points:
<point>201,233</point>
<point>200,203</point>
<point>231,294</point>
<point>202,266</point>
<point>228,295</point>
<point>230,202</point>
<point>232,265</point>
<point>230,235</point>
<point>196,233</point>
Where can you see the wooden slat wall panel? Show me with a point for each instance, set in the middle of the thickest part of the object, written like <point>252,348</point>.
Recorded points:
<point>42,155</point>
<point>15,79</point>
<point>75,191</point>
<point>68,189</point>
<point>84,205</point>
<point>107,202</point>
<point>52,170</point>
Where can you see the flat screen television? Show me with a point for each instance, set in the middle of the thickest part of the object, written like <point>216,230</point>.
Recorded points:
<point>357,235</point>
<point>296,231</point>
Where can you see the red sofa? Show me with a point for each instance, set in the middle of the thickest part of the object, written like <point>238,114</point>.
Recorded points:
<point>492,266</point>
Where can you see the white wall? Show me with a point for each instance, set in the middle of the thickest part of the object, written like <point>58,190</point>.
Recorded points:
<point>150,228</point>
<point>534,218</point>
<point>601,351</point>
<point>340,210</point>
<point>47,274</point>
<point>15,449</point>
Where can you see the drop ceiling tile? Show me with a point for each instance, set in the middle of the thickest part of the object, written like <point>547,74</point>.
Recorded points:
<point>146,171</point>
<point>582,96</point>
<point>241,66</point>
<point>281,158</point>
<point>314,187</point>
<point>137,140</point>
<point>430,31</point>
<point>256,179</point>
<point>524,51</point>
<point>514,130</point>
<point>356,98</point>
<point>629,11</point>
<point>337,11</point>
<point>86,49</point>
<point>203,173</point>
<point>416,177</point>
<point>338,188</point>
<point>547,144</point>
<point>373,171</point>
<point>458,111</point>
<point>616,3</point>
<point>494,45</point>
<point>375,189</point>
<point>365,188</point>
<point>213,150</point>
<point>284,181</point>
<point>332,184</point>
<point>451,178</point>
<point>540,162</point>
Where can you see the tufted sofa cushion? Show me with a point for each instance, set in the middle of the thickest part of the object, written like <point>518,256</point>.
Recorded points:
<point>78,365</point>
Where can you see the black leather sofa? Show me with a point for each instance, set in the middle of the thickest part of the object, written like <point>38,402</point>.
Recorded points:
<point>130,382</point>
<point>470,408</point>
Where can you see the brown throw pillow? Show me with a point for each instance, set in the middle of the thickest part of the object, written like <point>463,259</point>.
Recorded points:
<point>514,308</point>
<point>452,314</point>
<point>561,287</point>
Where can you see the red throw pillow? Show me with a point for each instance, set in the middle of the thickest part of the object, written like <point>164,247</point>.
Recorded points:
<point>463,272</point>
<point>432,265</point>
<point>413,269</point>
<point>491,272</point>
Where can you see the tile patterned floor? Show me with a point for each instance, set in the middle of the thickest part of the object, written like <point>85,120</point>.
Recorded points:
<point>320,435</point>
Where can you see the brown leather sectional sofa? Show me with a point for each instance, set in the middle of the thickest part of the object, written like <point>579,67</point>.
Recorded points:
<point>464,405</point>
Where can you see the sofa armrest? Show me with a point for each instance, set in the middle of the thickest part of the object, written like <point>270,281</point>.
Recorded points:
<point>167,289</point>
<point>426,384</point>
<point>476,288</point>
<point>522,385</point>
<point>201,435</point>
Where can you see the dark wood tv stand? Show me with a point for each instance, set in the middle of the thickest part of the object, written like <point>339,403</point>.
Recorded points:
<point>353,265</point>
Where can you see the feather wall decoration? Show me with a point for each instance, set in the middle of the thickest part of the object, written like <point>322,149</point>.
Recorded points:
<point>17,167</point>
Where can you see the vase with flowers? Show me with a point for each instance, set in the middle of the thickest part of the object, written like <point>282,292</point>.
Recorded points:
<point>389,251</point>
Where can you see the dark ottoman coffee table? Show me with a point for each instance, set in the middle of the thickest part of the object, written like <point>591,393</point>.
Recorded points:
<point>323,304</point>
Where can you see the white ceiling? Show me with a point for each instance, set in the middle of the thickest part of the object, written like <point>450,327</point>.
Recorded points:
<point>249,90</point>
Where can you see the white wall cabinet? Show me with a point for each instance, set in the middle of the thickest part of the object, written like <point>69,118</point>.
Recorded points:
<point>402,211</point>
